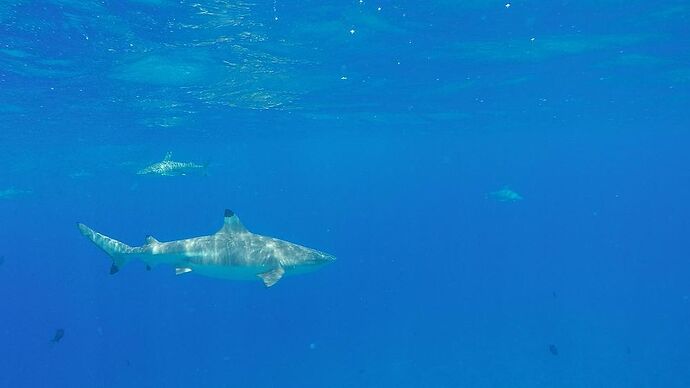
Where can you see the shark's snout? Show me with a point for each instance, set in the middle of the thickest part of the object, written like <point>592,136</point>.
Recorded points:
<point>326,258</point>
<point>316,258</point>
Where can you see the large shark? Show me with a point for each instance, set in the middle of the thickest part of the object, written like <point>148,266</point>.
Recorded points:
<point>169,167</point>
<point>231,253</point>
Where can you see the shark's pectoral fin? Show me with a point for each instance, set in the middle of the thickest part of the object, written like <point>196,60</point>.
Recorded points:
<point>182,270</point>
<point>114,269</point>
<point>271,277</point>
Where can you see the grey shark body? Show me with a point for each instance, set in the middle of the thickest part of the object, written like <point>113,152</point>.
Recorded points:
<point>505,195</point>
<point>12,193</point>
<point>169,167</point>
<point>231,253</point>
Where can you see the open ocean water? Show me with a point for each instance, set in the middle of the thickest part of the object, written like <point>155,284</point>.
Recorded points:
<point>505,186</point>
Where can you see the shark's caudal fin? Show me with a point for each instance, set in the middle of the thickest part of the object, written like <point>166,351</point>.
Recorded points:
<point>116,250</point>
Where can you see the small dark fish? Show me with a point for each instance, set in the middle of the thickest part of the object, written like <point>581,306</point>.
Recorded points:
<point>553,293</point>
<point>553,349</point>
<point>59,333</point>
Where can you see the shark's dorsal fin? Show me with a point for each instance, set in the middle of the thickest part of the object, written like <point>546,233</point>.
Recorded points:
<point>151,240</point>
<point>168,156</point>
<point>232,223</point>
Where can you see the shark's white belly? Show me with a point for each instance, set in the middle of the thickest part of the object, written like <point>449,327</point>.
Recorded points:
<point>241,272</point>
<point>228,272</point>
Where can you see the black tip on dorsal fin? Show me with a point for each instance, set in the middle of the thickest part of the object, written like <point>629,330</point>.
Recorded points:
<point>232,223</point>
<point>114,269</point>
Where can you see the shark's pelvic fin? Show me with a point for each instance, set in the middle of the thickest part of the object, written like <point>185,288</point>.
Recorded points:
<point>168,156</point>
<point>151,240</point>
<point>271,277</point>
<point>182,270</point>
<point>114,269</point>
<point>232,223</point>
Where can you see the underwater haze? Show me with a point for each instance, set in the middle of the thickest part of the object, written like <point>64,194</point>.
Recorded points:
<point>504,184</point>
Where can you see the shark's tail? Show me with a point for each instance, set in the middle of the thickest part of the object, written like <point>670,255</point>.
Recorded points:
<point>204,167</point>
<point>119,252</point>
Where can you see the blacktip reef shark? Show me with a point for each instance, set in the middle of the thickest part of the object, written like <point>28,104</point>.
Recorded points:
<point>169,167</point>
<point>505,195</point>
<point>12,193</point>
<point>231,253</point>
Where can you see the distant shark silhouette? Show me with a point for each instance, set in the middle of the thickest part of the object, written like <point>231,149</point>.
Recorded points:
<point>231,253</point>
<point>169,167</point>
<point>505,195</point>
<point>12,193</point>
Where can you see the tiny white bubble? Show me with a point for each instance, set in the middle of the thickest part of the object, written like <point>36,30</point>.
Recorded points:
<point>343,77</point>
<point>352,31</point>
<point>507,5</point>
<point>378,9</point>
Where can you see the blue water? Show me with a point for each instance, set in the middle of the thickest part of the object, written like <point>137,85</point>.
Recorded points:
<point>377,131</point>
